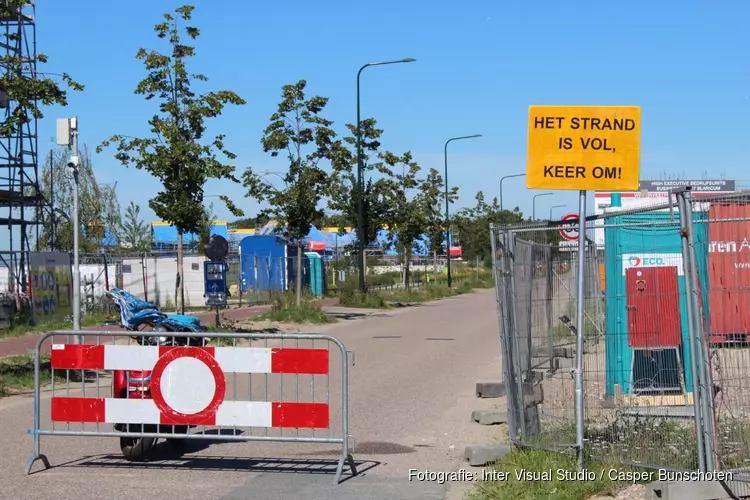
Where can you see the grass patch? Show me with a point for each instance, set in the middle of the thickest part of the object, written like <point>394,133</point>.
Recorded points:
<point>555,488</point>
<point>17,374</point>
<point>284,309</point>
<point>651,441</point>
<point>19,329</point>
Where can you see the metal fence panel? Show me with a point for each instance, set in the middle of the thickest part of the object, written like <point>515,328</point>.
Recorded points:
<point>290,388</point>
<point>639,394</point>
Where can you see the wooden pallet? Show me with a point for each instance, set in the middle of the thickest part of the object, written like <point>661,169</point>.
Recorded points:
<point>655,400</point>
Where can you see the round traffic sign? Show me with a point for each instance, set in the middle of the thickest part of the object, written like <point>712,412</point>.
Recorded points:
<point>187,386</point>
<point>569,231</point>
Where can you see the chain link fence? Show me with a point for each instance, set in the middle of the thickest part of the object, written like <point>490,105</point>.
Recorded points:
<point>666,330</point>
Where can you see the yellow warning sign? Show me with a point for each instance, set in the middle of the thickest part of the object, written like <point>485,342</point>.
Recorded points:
<point>592,148</point>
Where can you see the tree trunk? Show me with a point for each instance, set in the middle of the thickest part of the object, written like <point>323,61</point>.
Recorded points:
<point>180,289</point>
<point>299,275</point>
<point>434,266</point>
<point>407,261</point>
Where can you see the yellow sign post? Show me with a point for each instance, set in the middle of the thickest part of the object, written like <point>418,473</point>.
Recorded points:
<point>583,148</point>
<point>590,148</point>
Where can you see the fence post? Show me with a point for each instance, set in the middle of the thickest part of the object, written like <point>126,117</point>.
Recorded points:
<point>704,366</point>
<point>549,299</point>
<point>519,402</point>
<point>503,304</point>
<point>683,208</point>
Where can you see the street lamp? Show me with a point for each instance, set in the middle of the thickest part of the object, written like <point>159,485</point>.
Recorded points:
<point>447,219</point>
<point>360,185</point>
<point>533,204</point>
<point>501,187</point>
<point>553,207</point>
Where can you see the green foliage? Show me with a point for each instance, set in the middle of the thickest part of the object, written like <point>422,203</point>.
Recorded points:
<point>207,222</point>
<point>350,296</point>
<point>249,222</point>
<point>434,201</point>
<point>285,309</point>
<point>177,153</point>
<point>135,233</point>
<point>98,207</point>
<point>554,488</point>
<point>343,190</point>
<point>26,89</point>
<point>298,129</point>
<point>472,226</point>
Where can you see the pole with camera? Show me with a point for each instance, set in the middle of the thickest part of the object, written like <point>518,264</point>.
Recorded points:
<point>67,135</point>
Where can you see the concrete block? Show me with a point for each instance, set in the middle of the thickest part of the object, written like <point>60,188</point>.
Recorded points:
<point>564,352</point>
<point>693,490</point>
<point>491,389</point>
<point>541,351</point>
<point>490,417</point>
<point>533,395</point>
<point>479,455</point>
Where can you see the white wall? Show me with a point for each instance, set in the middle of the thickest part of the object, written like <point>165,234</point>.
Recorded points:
<point>161,275</point>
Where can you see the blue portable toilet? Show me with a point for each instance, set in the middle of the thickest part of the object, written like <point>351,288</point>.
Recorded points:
<point>263,263</point>
<point>638,257</point>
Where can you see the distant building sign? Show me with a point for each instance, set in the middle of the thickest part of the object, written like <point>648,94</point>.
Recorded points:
<point>702,186</point>
<point>654,192</point>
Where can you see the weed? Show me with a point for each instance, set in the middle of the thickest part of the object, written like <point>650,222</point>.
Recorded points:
<point>526,460</point>
<point>19,329</point>
<point>17,373</point>
<point>284,309</point>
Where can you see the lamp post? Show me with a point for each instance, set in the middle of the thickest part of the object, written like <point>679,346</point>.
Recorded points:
<point>553,207</point>
<point>67,135</point>
<point>501,187</point>
<point>533,204</point>
<point>447,219</point>
<point>360,173</point>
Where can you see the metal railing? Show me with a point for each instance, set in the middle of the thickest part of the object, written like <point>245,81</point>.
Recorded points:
<point>97,390</point>
<point>666,332</point>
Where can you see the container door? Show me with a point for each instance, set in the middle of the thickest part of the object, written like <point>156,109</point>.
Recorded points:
<point>653,305</point>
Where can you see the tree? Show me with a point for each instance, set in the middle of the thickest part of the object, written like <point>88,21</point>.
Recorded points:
<point>434,197</point>
<point>343,192</point>
<point>207,223</point>
<point>249,222</point>
<point>472,226</point>
<point>98,207</point>
<point>409,212</point>
<point>25,87</point>
<point>135,233</point>
<point>177,153</point>
<point>298,129</point>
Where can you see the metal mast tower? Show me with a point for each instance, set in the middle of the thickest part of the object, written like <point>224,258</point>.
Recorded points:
<point>21,199</point>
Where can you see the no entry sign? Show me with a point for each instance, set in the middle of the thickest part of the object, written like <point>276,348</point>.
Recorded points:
<point>569,231</point>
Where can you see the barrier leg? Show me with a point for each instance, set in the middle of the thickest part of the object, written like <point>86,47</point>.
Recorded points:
<point>346,458</point>
<point>35,431</point>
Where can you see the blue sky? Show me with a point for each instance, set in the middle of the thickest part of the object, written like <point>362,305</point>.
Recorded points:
<point>480,65</point>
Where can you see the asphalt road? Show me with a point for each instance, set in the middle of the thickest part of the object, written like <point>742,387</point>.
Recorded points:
<point>411,397</point>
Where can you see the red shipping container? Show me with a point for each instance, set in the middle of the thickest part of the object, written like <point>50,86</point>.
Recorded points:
<point>729,271</point>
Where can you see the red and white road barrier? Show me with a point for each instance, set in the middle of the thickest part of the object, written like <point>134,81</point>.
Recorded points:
<point>188,386</point>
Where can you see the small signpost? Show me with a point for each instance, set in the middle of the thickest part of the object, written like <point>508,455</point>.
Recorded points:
<point>215,273</point>
<point>583,148</point>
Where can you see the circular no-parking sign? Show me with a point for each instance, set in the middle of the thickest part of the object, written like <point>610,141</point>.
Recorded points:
<point>569,231</point>
<point>187,386</point>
